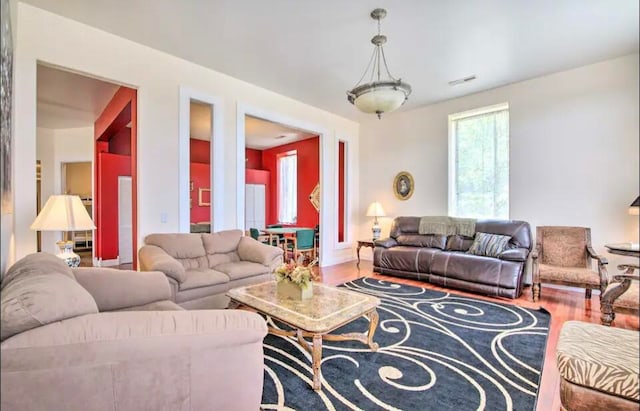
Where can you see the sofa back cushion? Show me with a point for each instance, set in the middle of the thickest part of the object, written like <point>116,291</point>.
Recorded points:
<point>184,247</point>
<point>404,225</point>
<point>33,295</point>
<point>426,240</point>
<point>519,231</point>
<point>458,242</point>
<point>222,242</point>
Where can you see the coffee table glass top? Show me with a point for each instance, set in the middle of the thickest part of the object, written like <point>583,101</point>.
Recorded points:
<point>329,308</point>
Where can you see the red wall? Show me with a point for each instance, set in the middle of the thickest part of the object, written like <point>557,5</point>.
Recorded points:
<point>341,176</point>
<point>201,177</point>
<point>253,159</point>
<point>199,151</point>
<point>121,142</point>
<point>110,166</point>
<point>308,176</point>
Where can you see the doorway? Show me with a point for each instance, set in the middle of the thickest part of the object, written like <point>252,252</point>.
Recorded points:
<point>201,202</point>
<point>125,220</point>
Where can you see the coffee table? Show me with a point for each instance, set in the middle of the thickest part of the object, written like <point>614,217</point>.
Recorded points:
<point>329,308</point>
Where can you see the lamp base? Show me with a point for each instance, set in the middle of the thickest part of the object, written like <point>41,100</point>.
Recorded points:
<point>67,255</point>
<point>376,231</point>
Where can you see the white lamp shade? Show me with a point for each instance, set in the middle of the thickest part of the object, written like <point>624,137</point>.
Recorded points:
<point>63,213</point>
<point>375,210</point>
<point>382,100</point>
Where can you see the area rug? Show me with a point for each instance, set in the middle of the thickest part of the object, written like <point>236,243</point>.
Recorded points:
<point>438,351</point>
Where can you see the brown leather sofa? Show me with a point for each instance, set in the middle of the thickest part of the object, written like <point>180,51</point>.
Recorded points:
<point>443,260</point>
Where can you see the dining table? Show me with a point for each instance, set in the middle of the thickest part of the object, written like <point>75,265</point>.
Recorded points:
<point>284,230</point>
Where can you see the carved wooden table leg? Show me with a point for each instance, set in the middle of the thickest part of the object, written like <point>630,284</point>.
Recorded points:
<point>316,356</point>
<point>373,324</point>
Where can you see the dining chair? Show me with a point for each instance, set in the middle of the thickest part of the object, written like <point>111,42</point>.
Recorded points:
<point>270,240</point>
<point>280,237</point>
<point>316,230</point>
<point>304,242</point>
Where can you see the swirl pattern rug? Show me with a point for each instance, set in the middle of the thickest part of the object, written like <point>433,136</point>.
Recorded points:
<point>438,351</point>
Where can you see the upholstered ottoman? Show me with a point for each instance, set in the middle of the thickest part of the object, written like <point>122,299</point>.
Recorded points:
<point>598,367</point>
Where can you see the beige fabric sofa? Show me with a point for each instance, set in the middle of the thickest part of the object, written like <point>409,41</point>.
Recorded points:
<point>201,268</point>
<point>104,339</point>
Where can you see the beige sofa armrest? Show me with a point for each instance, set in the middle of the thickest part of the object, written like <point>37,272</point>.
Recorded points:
<point>257,252</point>
<point>154,258</point>
<point>116,289</point>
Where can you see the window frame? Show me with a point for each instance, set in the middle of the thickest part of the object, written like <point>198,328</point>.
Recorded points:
<point>452,180</point>
<point>279,158</point>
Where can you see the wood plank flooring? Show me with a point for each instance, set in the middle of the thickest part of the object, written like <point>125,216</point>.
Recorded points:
<point>563,303</point>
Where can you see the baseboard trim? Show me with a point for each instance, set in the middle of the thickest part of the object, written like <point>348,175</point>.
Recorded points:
<point>105,263</point>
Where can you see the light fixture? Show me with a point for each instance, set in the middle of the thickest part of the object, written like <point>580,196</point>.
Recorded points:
<point>634,208</point>
<point>375,210</point>
<point>64,213</point>
<point>380,94</point>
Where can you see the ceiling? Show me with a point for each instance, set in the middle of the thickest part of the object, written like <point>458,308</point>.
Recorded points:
<point>261,134</point>
<point>315,54</point>
<point>69,100</point>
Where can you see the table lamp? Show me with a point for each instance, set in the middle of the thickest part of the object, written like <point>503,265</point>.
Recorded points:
<point>375,210</point>
<point>64,213</point>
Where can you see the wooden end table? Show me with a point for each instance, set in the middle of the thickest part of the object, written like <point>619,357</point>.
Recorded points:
<point>328,309</point>
<point>363,243</point>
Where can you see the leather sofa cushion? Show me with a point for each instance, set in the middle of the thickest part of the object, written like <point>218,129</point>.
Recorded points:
<point>477,269</point>
<point>222,241</point>
<point>458,243</point>
<point>515,254</point>
<point>30,301</point>
<point>179,246</point>
<point>427,240</point>
<point>519,231</point>
<point>403,258</point>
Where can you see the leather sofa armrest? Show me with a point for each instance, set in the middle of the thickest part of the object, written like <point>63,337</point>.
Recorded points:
<point>385,243</point>
<point>154,258</point>
<point>514,254</point>
<point>257,252</point>
<point>116,289</point>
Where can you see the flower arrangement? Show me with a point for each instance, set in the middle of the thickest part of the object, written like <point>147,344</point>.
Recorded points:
<point>296,273</point>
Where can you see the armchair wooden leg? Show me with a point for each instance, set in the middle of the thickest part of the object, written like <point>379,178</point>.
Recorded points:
<point>536,291</point>
<point>587,294</point>
<point>607,315</point>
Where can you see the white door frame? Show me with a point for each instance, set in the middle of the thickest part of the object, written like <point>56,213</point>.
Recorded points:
<point>217,158</point>
<point>242,110</point>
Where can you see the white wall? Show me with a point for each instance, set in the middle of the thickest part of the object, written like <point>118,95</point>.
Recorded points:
<point>573,161</point>
<point>54,147</point>
<point>46,37</point>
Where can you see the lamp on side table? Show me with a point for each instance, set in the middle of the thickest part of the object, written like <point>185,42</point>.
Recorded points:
<point>64,213</point>
<point>375,210</point>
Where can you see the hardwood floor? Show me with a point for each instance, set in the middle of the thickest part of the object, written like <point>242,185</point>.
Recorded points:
<point>563,303</point>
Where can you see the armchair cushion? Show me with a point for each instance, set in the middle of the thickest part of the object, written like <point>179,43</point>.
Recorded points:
<point>154,258</point>
<point>575,275</point>
<point>489,245</point>
<point>630,299</point>
<point>117,289</point>
<point>30,301</point>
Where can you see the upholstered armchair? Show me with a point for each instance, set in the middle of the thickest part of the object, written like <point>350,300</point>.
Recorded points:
<point>622,295</point>
<point>563,256</point>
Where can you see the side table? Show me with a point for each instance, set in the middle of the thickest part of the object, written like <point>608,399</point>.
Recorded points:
<point>363,243</point>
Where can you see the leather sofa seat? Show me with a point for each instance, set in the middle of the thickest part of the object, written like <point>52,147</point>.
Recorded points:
<point>444,260</point>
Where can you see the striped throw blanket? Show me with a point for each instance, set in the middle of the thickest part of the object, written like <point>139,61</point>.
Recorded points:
<point>443,225</point>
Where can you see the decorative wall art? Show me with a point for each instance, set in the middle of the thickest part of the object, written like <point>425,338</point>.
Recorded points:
<point>6,140</point>
<point>314,197</point>
<point>204,197</point>
<point>403,185</point>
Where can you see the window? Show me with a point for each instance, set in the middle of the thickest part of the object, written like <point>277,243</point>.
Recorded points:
<point>288,188</point>
<point>479,163</point>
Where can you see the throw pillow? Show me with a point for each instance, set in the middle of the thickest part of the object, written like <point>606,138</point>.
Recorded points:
<point>490,245</point>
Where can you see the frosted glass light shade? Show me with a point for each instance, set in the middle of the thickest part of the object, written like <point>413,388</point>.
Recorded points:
<point>63,213</point>
<point>380,101</point>
<point>375,210</point>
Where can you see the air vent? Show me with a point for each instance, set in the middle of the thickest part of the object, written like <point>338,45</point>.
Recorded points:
<point>462,80</point>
